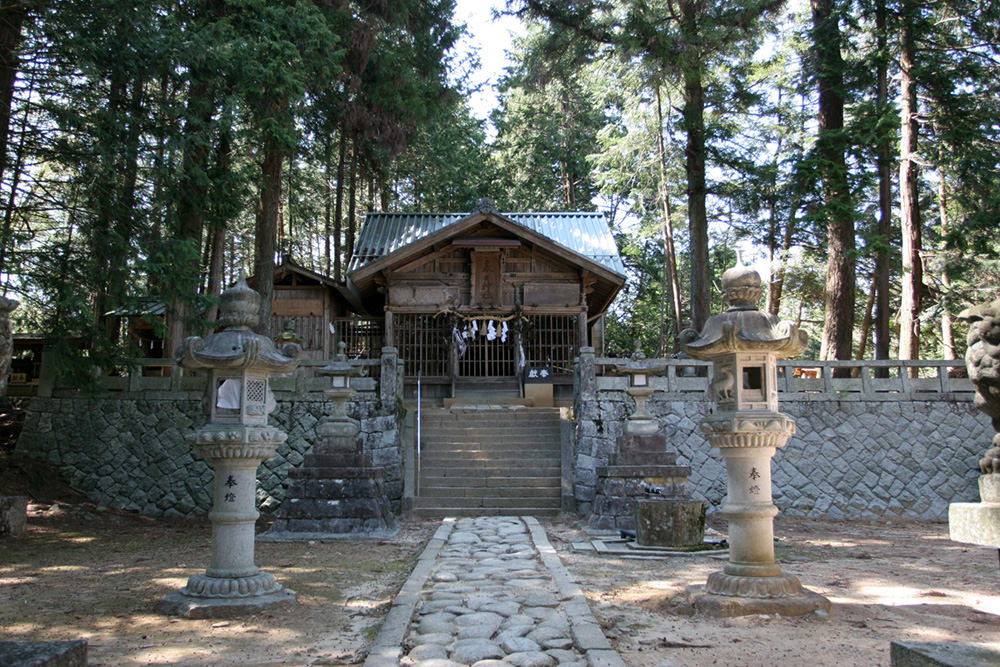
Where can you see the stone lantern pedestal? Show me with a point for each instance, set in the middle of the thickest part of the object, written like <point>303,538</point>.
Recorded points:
<point>336,492</point>
<point>979,523</point>
<point>642,488</point>
<point>744,344</point>
<point>234,441</point>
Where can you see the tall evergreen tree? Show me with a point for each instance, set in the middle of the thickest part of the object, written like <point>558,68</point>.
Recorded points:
<point>838,212</point>
<point>681,36</point>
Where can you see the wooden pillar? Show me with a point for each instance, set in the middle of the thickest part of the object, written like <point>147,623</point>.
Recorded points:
<point>388,336</point>
<point>582,329</point>
<point>597,336</point>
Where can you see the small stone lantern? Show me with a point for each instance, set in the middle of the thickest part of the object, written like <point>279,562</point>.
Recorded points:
<point>639,369</point>
<point>340,371</point>
<point>744,345</point>
<point>336,491</point>
<point>339,431</point>
<point>234,441</point>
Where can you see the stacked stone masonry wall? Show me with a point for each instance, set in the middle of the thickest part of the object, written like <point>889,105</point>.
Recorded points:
<point>875,459</point>
<point>880,459</point>
<point>128,451</point>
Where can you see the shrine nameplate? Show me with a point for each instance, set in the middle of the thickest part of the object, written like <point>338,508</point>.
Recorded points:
<point>551,294</point>
<point>486,277</point>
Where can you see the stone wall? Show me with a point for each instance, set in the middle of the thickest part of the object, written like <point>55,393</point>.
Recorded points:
<point>873,459</point>
<point>127,450</point>
<point>857,452</point>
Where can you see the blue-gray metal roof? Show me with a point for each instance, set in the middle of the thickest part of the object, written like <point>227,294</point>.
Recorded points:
<point>583,232</point>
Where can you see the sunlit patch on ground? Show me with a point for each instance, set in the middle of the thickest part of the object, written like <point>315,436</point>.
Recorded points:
<point>83,575</point>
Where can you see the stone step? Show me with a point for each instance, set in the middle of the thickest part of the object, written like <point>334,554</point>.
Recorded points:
<point>487,400</point>
<point>491,429</point>
<point>437,481</point>
<point>490,492</point>
<point>490,470</point>
<point>486,438</point>
<point>507,450</point>
<point>465,412</point>
<point>436,461</point>
<point>494,425</point>
<point>352,460</point>
<point>478,460</point>
<point>441,512</point>
<point>437,454</point>
<point>462,442</point>
<point>484,471</point>
<point>471,502</point>
<point>474,411</point>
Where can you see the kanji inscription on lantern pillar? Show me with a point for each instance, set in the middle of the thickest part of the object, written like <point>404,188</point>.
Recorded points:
<point>235,440</point>
<point>744,345</point>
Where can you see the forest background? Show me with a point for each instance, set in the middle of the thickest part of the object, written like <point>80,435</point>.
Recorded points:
<point>153,149</point>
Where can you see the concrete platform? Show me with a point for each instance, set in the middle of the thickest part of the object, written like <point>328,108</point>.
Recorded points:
<point>944,654</point>
<point>177,604</point>
<point>44,654</point>
<point>975,523</point>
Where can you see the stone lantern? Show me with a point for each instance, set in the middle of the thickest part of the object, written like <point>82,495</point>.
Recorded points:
<point>639,369</point>
<point>340,371</point>
<point>234,441</point>
<point>642,488</point>
<point>744,345</point>
<point>337,492</point>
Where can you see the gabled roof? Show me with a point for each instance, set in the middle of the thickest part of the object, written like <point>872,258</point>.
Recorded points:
<point>584,233</point>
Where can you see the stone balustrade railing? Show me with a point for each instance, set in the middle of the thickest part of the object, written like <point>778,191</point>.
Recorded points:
<point>806,380</point>
<point>163,377</point>
<point>798,379</point>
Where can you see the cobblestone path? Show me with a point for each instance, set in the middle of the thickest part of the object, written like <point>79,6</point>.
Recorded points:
<point>489,592</point>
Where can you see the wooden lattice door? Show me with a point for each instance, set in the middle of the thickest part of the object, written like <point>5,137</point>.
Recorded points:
<point>489,351</point>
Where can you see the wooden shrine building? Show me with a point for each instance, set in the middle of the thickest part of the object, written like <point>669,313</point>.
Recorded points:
<point>486,296</point>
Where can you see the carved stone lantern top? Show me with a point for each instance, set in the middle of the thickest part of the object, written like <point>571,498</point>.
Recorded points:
<point>638,366</point>
<point>237,347</point>
<point>340,366</point>
<point>239,361</point>
<point>743,328</point>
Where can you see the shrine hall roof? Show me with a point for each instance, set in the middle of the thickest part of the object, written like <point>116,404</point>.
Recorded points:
<point>583,232</point>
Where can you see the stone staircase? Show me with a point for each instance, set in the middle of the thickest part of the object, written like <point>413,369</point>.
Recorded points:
<point>489,460</point>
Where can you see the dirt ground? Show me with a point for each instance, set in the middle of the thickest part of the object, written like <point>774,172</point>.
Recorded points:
<point>887,581</point>
<point>85,572</point>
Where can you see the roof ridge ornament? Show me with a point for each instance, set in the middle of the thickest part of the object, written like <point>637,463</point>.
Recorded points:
<point>485,205</point>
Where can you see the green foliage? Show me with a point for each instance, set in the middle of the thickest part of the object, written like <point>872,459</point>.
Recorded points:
<point>138,131</point>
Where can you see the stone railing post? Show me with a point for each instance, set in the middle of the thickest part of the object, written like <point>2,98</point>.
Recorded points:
<point>388,379</point>
<point>588,379</point>
<point>48,373</point>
